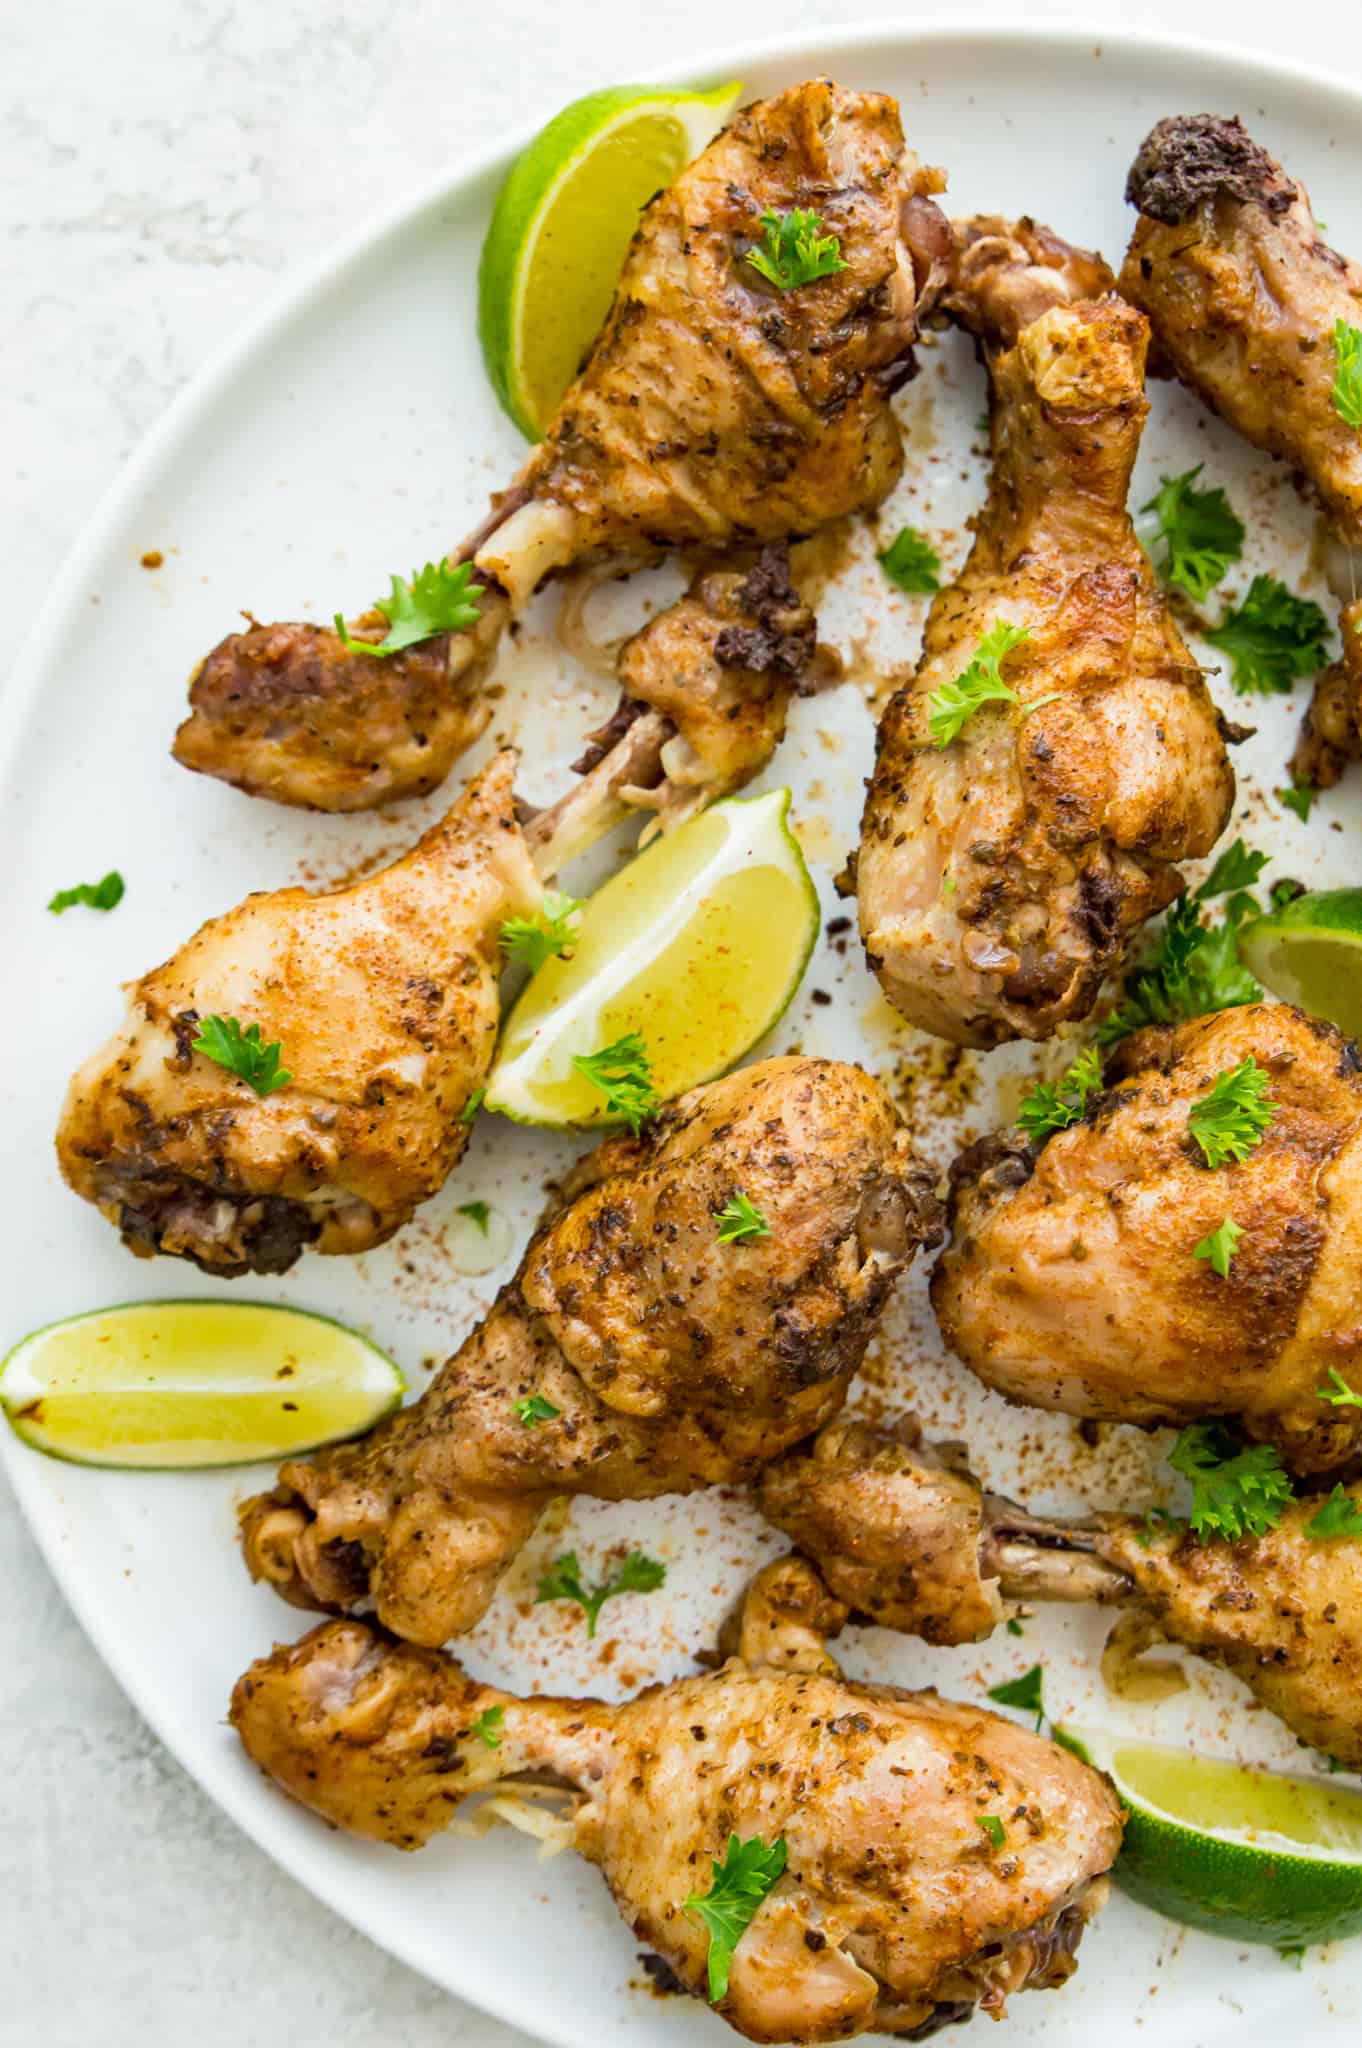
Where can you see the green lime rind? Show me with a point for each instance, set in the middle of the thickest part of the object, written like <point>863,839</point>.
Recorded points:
<point>1258,1886</point>
<point>107,1426</point>
<point>530,189</point>
<point>552,994</point>
<point>1308,953</point>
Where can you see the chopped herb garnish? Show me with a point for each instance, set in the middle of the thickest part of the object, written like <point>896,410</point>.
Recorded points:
<point>993,1828</point>
<point>243,1052</point>
<point>563,1581</point>
<point>951,707</point>
<point>479,1213</point>
<point>1235,1492</point>
<point>1053,1106</point>
<point>1348,373</point>
<point>1229,1123</point>
<point>1299,798</point>
<point>624,1077</point>
<point>472,1106</point>
<point>1196,969</point>
<point>1156,1519</point>
<point>1339,1394</point>
<point>740,1219</point>
<point>1271,638</point>
<point>1023,1692</point>
<point>912,562</point>
<point>551,931</point>
<point>1236,868</point>
<point>441,598</point>
<point>737,1888</point>
<point>1220,1247</point>
<point>93,895</point>
<point>1339,1516</point>
<point>487,1727</point>
<point>795,251</point>
<point>1199,533</point>
<point>1014,1625</point>
<point>532,1409</point>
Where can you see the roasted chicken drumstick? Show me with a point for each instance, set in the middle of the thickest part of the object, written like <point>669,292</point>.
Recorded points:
<point>672,1360</point>
<point>1006,857</point>
<point>714,412</point>
<point>1244,295</point>
<point>902,1533</point>
<point>893,1913</point>
<point>1070,1281</point>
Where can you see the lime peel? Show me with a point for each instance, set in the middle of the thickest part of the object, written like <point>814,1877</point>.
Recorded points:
<point>1310,952</point>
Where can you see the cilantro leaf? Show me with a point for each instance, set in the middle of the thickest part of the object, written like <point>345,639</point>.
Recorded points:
<point>737,1887</point>
<point>1229,1123</point>
<point>1298,798</point>
<point>479,1213</point>
<point>1339,1516</point>
<point>94,895</point>
<point>243,1053</point>
<point>1236,868</point>
<point>1347,393</point>
<point>1053,1106</point>
<point>551,931</point>
<point>624,1077</point>
<point>1220,1247</point>
<point>1023,1692</point>
<point>740,1219</point>
<point>952,705</point>
<point>1199,534</point>
<point>441,598</point>
<point>1340,1394</point>
<point>912,562</point>
<point>1271,638</point>
<point>563,1581</point>
<point>487,1726</point>
<point>795,251</point>
<point>1235,1492</point>
<point>532,1409</point>
<point>993,1828</point>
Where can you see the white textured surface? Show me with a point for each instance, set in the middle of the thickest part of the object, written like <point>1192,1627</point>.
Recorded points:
<point>163,165</point>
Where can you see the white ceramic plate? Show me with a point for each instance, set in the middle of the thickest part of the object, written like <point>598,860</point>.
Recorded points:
<point>352,434</point>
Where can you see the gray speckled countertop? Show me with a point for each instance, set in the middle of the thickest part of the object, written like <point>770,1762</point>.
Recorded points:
<point>164,166</point>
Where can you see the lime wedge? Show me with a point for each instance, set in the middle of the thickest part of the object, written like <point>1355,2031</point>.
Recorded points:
<point>698,945</point>
<point>562,225</point>
<point>1252,1855</point>
<point>1310,952</point>
<point>166,1384</point>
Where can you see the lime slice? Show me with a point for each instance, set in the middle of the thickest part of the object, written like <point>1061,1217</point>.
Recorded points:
<point>165,1384</point>
<point>562,225</point>
<point>1248,1854</point>
<point>1310,952</point>
<point>698,945</point>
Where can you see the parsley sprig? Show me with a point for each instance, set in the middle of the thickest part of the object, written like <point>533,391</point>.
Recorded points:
<point>1195,969</point>
<point>1338,1394</point>
<point>103,895</point>
<point>1236,1491</point>
<point>487,1726</point>
<point>1299,798</point>
<point>1229,1123</point>
<point>794,250</point>
<point>551,931</point>
<point>1238,867</point>
<point>738,1886</point>
<point>441,598</point>
<point>624,1077</point>
<point>1347,393</point>
<point>563,1581</point>
<point>740,1219</point>
<point>1272,638</point>
<point>1339,1516</point>
<point>912,562</point>
<point>1023,1692</point>
<point>1053,1106</point>
<point>243,1052</point>
<point>1220,1247</point>
<point>532,1409</point>
<point>1199,535</point>
<point>951,707</point>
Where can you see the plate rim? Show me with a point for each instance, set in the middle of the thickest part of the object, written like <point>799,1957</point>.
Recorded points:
<point>1245,66</point>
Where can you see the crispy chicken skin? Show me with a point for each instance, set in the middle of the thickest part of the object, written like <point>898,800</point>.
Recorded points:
<point>673,1361</point>
<point>384,999</point>
<point>1003,274</point>
<point>1070,1283</point>
<point>1243,294</point>
<point>1000,876</point>
<point>894,1913</point>
<point>916,1545</point>
<point>713,410</point>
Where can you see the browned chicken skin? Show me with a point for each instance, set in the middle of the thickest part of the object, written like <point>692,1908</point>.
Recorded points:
<point>1000,876</point>
<point>912,1542</point>
<point>673,1361</point>
<point>1243,293</point>
<point>894,1912</point>
<point>714,411</point>
<point>1070,1282</point>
